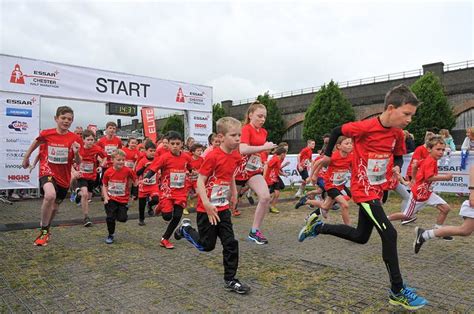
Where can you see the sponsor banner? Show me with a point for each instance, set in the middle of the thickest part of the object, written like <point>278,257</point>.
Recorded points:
<point>19,126</point>
<point>52,79</point>
<point>199,126</point>
<point>148,120</point>
<point>452,164</point>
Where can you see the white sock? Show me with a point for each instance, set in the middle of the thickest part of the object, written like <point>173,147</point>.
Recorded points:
<point>428,234</point>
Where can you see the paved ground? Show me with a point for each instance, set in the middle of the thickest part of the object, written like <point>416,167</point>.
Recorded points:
<point>79,272</point>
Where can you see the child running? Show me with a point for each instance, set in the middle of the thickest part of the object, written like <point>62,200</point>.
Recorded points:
<point>304,160</point>
<point>215,185</point>
<point>116,191</point>
<point>147,190</point>
<point>375,140</point>
<point>196,161</point>
<point>60,148</point>
<point>271,173</point>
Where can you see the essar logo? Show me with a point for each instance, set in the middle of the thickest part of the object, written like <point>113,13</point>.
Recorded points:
<point>17,75</point>
<point>18,126</point>
<point>180,96</point>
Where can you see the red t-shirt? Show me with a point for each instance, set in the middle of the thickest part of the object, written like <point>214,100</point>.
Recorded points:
<point>131,156</point>
<point>219,168</point>
<point>152,185</point>
<point>306,155</point>
<point>420,153</point>
<point>161,151</point>
<point>273,170</point>
<point>207,151</point>
<point>338,171</point>
<point>109,146</point>
<point>251,164</point>
<point>421,190</point>
<point>88,165</point>
<point>195,165</point>
<point>374,145</point>
<point>173,174</point>
<point>118,183</point>
<point>323,170</point>
<point>57,157</point>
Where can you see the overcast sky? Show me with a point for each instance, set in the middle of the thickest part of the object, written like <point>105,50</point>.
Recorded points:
<point>240,48</point>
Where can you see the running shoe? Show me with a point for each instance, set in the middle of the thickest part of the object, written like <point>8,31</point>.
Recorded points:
<point>77,199</point>
<point>419,240</point>
<point>141,222</point>
<point>410,220</point>
<point>236,213</point>
<point>178,233</point>
<point>166,244</point>
<point>301,202</point>
<point>236,286</point>
<point>309,229</point>
<point>109,239</point>
<point>42,239</point>
<point>87,222</point>
<point>72,198</point>
<point>448,238</point>
<point>336,206</point>
<point>250,199</point>
<point>257,237</point>
<point>274,210</point>
<point>407,298</point>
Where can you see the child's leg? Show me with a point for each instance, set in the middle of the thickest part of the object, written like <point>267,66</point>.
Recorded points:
<point>84,201</point>
<point>443,213</point>
<point>111,211</point>
<point>229,244</point>
<point>464,230</point>
<point>174,221</point>
<point>47,206</point>
<point>205,238</point>
<point>402,191</point>
<point>410,210</point>
<point>141,208</point>
<point>275,197</point>
<point>344,209</point>
<point>258,184</point>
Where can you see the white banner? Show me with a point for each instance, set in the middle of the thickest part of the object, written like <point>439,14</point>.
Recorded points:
<point>199,126</point>
<point>19,126</point>
<point>46,78</point>
<point>452,164</point>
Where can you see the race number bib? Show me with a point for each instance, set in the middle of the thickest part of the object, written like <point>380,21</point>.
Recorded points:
<point>219,195</point>
<point>253,163</point>
<point>58,155</point>
<point>116,188</point>
<point>109,149</point>
<point>151,181</point>
<point>340,177</point>
<point>193,177</point>
<point>377,168</point>
<point>129,164</point>
<point>177,180</point>
<point>86,167</point>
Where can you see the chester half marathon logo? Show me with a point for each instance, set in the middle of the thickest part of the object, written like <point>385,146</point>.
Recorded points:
<point>38,78</point>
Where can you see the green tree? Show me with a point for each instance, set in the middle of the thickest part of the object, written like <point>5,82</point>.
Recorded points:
<point>274,123</point>
<point>217,112</point>
<point>434,111</point>
<point>174,123</point>
<point>329,109</point>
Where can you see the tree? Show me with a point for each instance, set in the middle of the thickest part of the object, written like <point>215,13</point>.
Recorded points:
<point>217,112</point>
<point>434,111</point>
<point>274,123</point>
<point>329,109</point>
<point>174,123</point>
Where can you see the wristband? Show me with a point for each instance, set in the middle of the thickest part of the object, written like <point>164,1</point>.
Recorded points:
<point>471,188</point>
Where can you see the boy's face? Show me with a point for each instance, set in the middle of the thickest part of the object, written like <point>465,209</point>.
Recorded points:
<point>118,162</point>
<point>346,145</point>
<point>64,121</point>
<point>150,153</point>
<point>437,151</point>
<point>198,152</point>
<point>166,144</point>
<point>89,141</point>
<point>325,140</point>
<point>111,130</point>
<point>132,144</point>
<point>311,144</point>
<point>216,142</point>
<point>231,139</point>
<point>400,117</point>
<point>175,146</point>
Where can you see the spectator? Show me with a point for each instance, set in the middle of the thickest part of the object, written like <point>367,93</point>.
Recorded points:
<point>448,139</point>
<point>468,143</point>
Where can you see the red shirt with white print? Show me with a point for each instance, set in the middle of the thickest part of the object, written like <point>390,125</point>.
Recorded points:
<point>338,171</point>
<point>56,155</point>
<point>109,146</point>
<point>219,168</point>
<point>323,170</point>
<point>420,153</point>
<point>88,165</point>
<point>422,189</point>
<point>131,157</point>
<point>151,186</point>
<point>118,183</point>
<point>195,165</point>
<point>374,145</point>
<point>273,170</point>
<point>251,164</point>
<point>173,174</point>
<point>306,154</point>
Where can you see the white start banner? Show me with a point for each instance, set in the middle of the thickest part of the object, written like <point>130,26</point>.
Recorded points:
<point>30,76</point>
<point>199,126</point>
<point>19,126</point>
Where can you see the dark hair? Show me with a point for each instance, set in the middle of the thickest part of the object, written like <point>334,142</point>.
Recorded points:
<point>110,123</point>
<point>87,133</point>
<point>326,135</point>
<point>195,146</point>
<point>159,137</point>
<point>63,110</point>
<point>173,135</point>
<point>149,144</point>
<point>280,150</point>
<point>211,137</point>
<point>399,96</point>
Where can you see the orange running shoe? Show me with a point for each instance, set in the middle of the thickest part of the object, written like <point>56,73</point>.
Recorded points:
<point>42,239</point>
<point>166,244</point>
<point>236,213</point>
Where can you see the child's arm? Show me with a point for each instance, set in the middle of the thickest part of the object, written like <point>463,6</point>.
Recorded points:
<point>246,149</point>
<point>211,210</point>
<point>265,170</point>
<point>104,193</point>
<point>75,148</point>
<point>31,149</point>
<point>440,177</point>
<point>233,192</point>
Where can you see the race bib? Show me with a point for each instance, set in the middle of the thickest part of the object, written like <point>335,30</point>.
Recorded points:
<point>151,181</point>
<point>219,195</point>
<point>109,149</point>
<point>177,180</point>
<point>377,168</point>
<point>129,164</point>
<point>86,167</point>
<point>253,163</point>
<point>340,177</point>
<point>193,177</point>
<point>58,155</point>
<point>116,188</point>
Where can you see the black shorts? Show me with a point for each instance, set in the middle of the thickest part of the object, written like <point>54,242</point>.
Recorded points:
<point>333,193</point>
<point>116,211</point>
<point>61,192</point>
<point>84,182</point>
<point>241,183</point>
<point>276,186</point>
<point>304,174</point>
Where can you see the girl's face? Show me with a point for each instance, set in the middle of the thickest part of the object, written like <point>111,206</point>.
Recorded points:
<point>470,135</point>
<point>346,146</point>
<point>132,144</point>
<point>257,118</point>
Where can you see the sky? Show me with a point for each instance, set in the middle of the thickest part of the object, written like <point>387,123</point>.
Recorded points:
<point>240,48</point>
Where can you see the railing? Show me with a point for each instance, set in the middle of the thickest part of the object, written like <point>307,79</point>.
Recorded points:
<point>368,80</point>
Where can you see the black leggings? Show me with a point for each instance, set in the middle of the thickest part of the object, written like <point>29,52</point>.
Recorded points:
<point>372,214</point>
<point>174,218</point>
<point>142,204</point>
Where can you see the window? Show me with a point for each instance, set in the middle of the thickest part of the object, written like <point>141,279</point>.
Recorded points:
<point>465,120</point>
<point>295,132</point>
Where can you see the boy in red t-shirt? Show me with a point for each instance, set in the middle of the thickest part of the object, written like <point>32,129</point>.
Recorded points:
<point>146,189</point>
<point>173,165</point>
<point>421,190</point>
<point>303,164</point>
<point>116,191</point>
<point>90,154</point>
<point>216,187</point>
<point>109,143</point>
<point>131,152</point>
<point>271,173</point>
<point>60,148</point>
<point>195,152</point>
<point>375,141</point>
